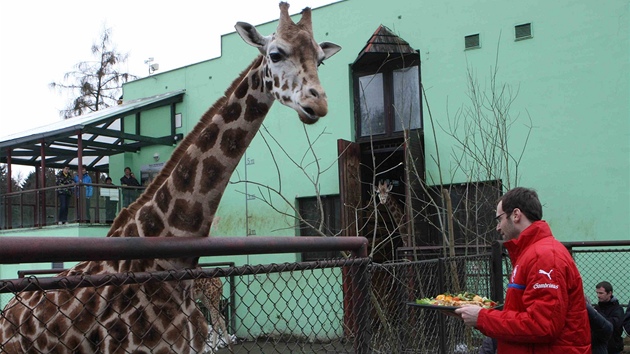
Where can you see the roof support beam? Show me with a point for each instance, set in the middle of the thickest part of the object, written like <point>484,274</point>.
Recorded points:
<point>147,140</point>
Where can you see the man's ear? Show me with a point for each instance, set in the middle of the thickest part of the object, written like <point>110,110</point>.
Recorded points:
<point>517,215</point>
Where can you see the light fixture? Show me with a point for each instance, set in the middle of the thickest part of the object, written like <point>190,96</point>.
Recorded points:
<point>152,67</point>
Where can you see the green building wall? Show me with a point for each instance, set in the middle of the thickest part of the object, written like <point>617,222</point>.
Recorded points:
<point>571,79</point>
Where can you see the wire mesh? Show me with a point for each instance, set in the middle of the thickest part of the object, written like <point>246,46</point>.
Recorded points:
<point>399,327</point>
<point>332,306</point>
<point>279,308</point>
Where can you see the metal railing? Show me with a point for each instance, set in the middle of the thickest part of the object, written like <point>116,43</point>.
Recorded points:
<point>334,305</point>
<point>256,288</point>
<point>40,207</point>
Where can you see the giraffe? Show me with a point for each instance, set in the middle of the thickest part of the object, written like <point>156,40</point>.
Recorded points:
<point>180,202</point>
<point>395,210</point>
<point>209,292</point>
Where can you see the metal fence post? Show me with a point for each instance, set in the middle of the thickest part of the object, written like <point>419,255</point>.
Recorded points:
<point>441,287</point>
<point>360,303</point>
<point>496,272</point>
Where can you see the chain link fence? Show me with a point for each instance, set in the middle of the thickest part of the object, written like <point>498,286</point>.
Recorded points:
<point>400,327</point>
<point>329,306</point>
<point>604,261</point>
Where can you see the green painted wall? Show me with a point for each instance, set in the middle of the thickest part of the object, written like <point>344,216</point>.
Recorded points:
<point>571,79</point>
<point>10,271</point>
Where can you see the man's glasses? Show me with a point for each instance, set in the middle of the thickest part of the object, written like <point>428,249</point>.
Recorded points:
<point>498,217</point>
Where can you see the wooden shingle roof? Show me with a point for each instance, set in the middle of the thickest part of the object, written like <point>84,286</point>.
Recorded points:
<point>385,41</point>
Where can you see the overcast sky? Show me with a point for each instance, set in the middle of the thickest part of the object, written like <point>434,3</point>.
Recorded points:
<point>42,40</point>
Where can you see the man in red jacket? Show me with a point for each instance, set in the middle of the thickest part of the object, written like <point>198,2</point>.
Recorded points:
<point>545,308</point>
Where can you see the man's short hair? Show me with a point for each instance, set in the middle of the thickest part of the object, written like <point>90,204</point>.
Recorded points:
<point>606,285</point>
<point>526,200</point>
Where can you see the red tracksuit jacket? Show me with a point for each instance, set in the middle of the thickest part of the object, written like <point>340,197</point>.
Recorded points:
<point>545,309</point>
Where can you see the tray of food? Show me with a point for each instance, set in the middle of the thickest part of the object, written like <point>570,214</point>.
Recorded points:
<point>450,302</point>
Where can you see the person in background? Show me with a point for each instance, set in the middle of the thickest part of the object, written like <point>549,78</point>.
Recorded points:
<point>488,346</point>
<point>626,320</point>
<point>609,307</point>
<point>129,195</point>
<point>111,202</point>
<point>601,330</point>
<point>64,178</point>
<point>545,309</point>
<point>89,190</point>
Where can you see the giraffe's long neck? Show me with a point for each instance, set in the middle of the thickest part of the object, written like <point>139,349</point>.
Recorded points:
<point>183,199</point>
<point>397,214</point>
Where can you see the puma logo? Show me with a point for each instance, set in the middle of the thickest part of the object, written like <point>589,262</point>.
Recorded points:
<point>548,274</point>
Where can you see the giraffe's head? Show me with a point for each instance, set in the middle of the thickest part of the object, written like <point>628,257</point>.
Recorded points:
<point>382,191</point>
<point>290,60</point>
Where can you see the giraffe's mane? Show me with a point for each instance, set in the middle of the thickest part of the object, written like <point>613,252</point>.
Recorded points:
<point>205,120</point>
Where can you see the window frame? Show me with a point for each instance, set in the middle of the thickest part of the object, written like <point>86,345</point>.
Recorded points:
<point>517,28</point>
<point>372,64</point>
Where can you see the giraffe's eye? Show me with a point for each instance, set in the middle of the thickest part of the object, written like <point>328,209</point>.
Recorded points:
<point>275,57</point>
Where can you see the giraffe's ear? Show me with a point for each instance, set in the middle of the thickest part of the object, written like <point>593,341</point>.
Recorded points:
<point>329,49</point>
<point>250,35</point>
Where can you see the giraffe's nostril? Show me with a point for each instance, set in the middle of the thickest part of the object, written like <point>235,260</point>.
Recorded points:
<point>314,93</point>
<point>309,111</point>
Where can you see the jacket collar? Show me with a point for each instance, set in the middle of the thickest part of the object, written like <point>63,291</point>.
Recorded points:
<point>538,230</point>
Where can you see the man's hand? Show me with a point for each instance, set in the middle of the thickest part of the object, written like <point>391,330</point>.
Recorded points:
<point>469,314</point>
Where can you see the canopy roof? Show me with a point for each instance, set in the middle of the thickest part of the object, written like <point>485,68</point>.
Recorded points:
<point>93,137</point>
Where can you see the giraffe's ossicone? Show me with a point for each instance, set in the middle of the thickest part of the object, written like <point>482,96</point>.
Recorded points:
<point>180,202</point>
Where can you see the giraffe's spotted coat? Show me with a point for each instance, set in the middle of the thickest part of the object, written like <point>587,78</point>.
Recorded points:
<point>209,291</point>
<point>255,109</point>
<point>232,112</point>
<point>208,138</point>
<point>185,174</point>
<point>396,210</point>
<point>163,198</point>
<point>213,171</point>
<point>233,142</point>
<point>186,216</point>
<point>152,221</point>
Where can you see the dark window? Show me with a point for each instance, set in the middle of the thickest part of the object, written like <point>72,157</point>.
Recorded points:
<point>474,205</point>
<point>311,216</point>
<point>472,41</point>
<point>57,265</point>
<point>523,31</point>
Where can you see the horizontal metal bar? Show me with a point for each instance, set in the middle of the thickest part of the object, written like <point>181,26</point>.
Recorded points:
<point>596,243</point>
<point>15,250</point>
<point>33,283</point>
